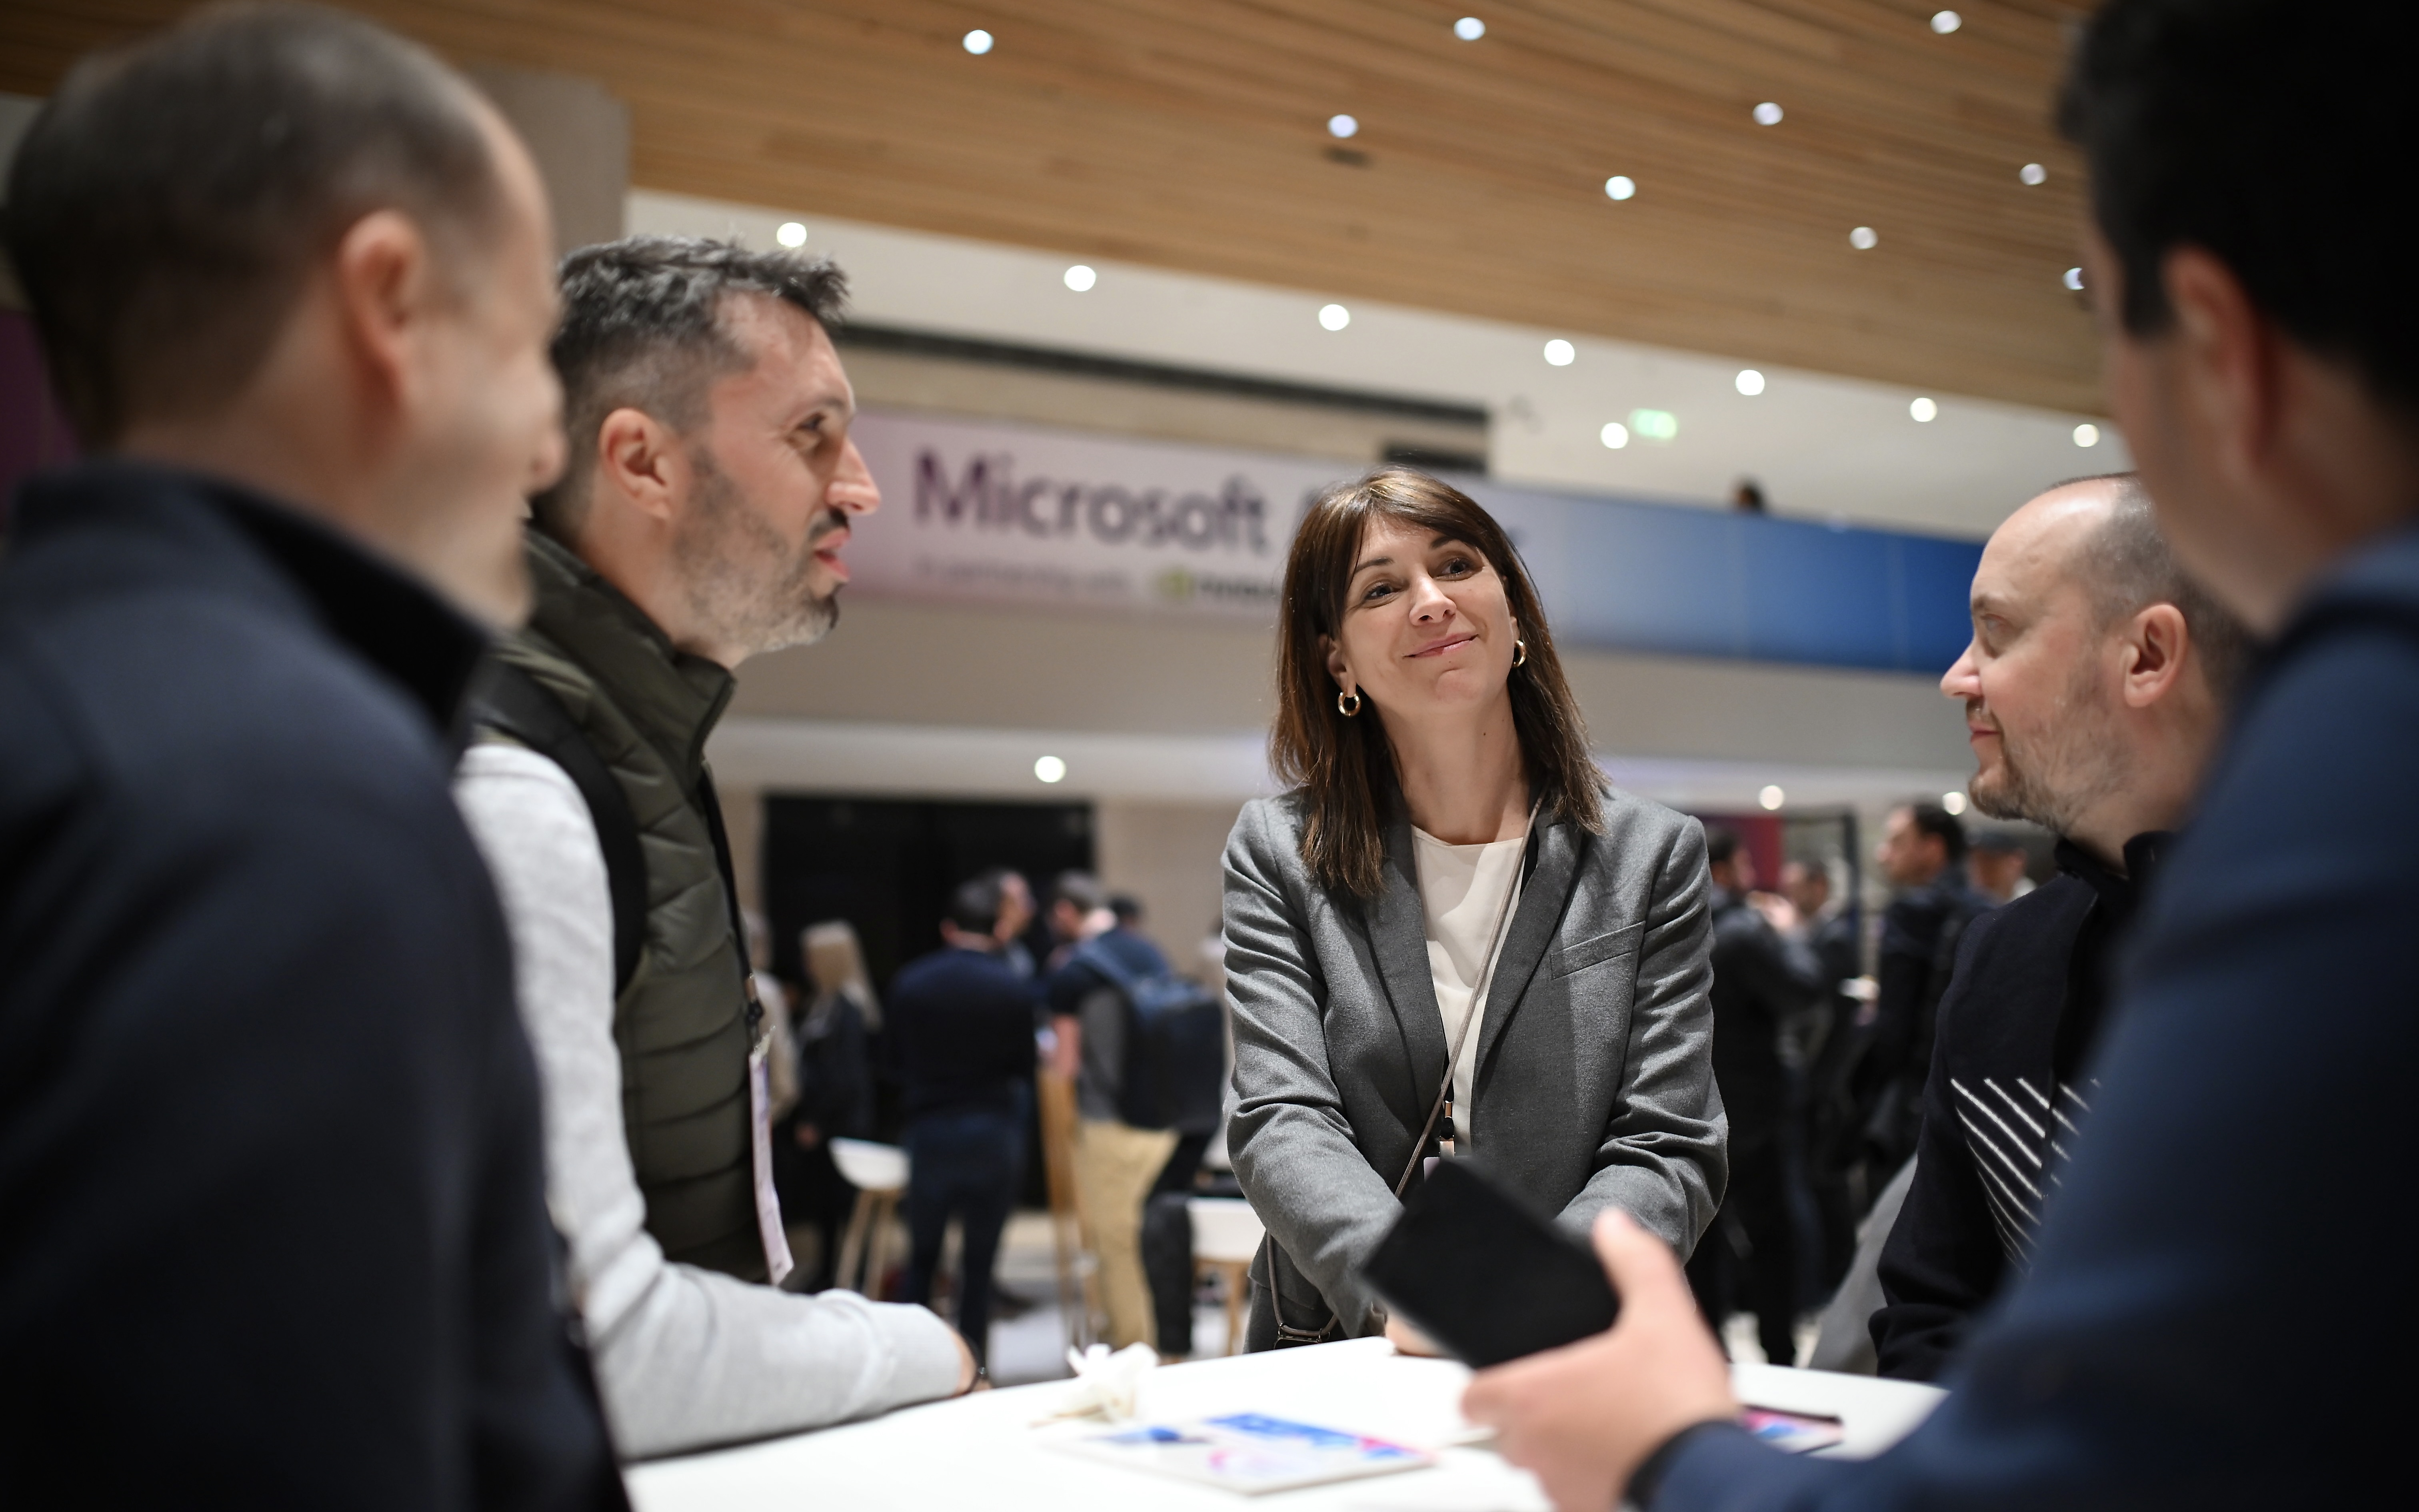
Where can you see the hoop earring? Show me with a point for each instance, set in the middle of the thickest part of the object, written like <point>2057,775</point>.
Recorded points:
<point>1519,653</point>
<point>1348,704</point>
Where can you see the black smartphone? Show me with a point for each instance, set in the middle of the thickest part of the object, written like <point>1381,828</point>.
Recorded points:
<point>1471,1267</point>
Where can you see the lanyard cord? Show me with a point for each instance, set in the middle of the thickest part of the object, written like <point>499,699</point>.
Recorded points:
<point>1470,1019</point>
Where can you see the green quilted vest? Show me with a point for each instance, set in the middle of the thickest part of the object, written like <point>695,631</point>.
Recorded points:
<point>682,1024</point>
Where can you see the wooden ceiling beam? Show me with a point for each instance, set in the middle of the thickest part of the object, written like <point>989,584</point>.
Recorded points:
<point>1189,133</point>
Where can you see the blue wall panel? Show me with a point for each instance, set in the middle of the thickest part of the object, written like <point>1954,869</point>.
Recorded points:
<point>1939,592</point>
<point>1817,594</point>
<point>1630,574</point>
<point>1647,578</point>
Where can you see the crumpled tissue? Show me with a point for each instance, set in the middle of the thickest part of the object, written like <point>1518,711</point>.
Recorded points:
<point>1107,1385</point>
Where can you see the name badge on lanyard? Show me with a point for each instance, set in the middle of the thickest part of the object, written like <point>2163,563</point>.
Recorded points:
<point>760,1120</point>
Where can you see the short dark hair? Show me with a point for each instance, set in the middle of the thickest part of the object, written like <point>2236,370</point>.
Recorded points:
<point>2264,131</point>
<point>644,328</point>
<point>166,202</point>
<point>1081,888</point>
<point>1127,907</point>
<point>973,907</point>
<point>1934,820</point>
<point>1721,843</point>
<point>1343,763</point>
<point>2129,565</point>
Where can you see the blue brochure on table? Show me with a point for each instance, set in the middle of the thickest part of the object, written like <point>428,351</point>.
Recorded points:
<point>1248,1452</point>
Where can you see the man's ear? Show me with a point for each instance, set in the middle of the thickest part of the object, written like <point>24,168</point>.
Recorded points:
<point>2228,358</point>
<point>385,288</point>
<point>640,460</point>
<point>2155,643</point>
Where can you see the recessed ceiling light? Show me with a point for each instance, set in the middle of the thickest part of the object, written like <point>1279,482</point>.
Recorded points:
<point>2086,434</point>
<point>1749,382</point>
<point>2074,279</point>
<point>1864,239</point>
<point>792,234</point>
<point>1923,409</point>
<point>1615,435</point>
<point>1081,278</point>
<point>1620,186</point>
<point>1469,28</point>
<point>1334,316</point>
<point>1772,797</point>
<point>1050,768</point>
<point>1340,127</point>
<point>1768,114</point>
<point>1945,21</point>
<point>2033,173</point>
<point>979,41</point>
<point>1655,424</point>
<point>1952,803</point>
<point>1561,354</point>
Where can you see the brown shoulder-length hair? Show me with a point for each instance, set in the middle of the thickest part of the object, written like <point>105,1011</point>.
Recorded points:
<point>1344,766</point>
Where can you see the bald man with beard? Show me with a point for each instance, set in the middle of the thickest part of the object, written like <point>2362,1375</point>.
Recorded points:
<point>2095,689</point>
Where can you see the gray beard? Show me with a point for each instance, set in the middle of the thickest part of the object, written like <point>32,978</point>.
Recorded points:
<point>2073,767</point>
<point>742,584</point>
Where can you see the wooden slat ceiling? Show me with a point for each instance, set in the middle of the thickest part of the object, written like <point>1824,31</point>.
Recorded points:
<point>1191,134</point>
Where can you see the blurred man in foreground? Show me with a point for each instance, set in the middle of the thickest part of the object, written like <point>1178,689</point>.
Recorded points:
<point>710,486</point>
<point>2094,690</point>
<point>272,1223</point>
<point>2180,1341</point>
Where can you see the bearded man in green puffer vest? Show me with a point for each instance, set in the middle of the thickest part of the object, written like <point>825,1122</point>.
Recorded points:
<point>710,486</point>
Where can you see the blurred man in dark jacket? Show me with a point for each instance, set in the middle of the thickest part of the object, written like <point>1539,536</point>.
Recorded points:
<point>962,1026</point>
<point>1922,853</point>
<point>1996,863</point>
<point>1828,927</point>
<point>1766,982</point>
<point>272,1223</point>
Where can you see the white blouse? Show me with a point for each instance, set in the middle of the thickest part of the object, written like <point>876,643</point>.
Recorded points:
<point>1463,891</point>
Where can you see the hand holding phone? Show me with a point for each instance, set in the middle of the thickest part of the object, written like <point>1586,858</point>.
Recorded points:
<point>1473,1267</point>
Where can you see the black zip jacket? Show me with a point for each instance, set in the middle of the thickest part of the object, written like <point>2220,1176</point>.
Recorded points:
<point>2009,1089</point>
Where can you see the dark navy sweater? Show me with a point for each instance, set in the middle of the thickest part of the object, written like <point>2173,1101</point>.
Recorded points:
<point>272,1222</point>
<point>962,1024</point>
<point>2213,1318</point>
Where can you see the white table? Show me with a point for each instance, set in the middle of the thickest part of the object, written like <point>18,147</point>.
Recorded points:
<point>982,1451</point>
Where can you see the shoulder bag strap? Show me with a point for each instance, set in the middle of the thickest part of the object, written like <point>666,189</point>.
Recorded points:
<point>721,838</point>
<point>1091,954</point>
<point>1288,1335</point>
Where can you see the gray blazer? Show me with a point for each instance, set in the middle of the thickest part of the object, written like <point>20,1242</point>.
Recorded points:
<point>1594,1083</point>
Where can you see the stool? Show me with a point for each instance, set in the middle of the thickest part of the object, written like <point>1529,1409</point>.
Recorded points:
<point>879,1173</point>
<point>1226,1233</point>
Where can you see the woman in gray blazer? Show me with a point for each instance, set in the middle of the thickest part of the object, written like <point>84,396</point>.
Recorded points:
<point>1450,868</point>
